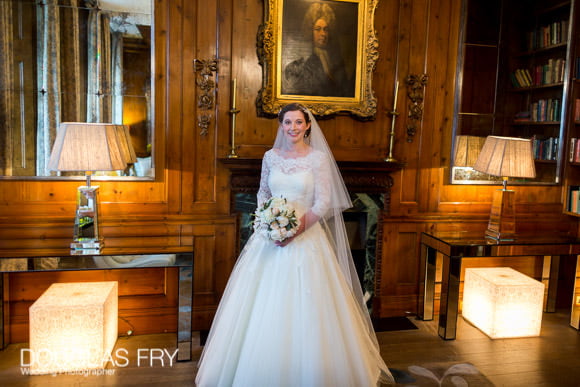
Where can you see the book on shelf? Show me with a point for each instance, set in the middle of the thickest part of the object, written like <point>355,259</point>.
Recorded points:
<point>574,199</point>
<point>551,72</point>
<point>548,35</point>
<point>577,110</point>
<point>574,152</point>
<point>576,158</point>
<point>521,81</point>
<point>546,110</point>
<point>545,148</point>
<point>527,77</point>
<point>523,117</point>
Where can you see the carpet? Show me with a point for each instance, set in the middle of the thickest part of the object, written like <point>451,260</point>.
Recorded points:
<point>392,324</point>
<point>441,375</point>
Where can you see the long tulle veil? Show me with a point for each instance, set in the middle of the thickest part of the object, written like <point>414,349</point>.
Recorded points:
<point>333,221</point>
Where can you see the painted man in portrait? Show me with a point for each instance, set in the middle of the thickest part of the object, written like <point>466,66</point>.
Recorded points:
<point>322,71</point>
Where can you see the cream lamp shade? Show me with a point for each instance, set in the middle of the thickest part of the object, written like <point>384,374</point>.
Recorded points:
<point>81,146</point>
<point>127,150</point>
<point>506,157</point>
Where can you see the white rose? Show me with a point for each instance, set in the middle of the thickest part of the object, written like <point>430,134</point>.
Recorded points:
<point>275,235</point>
<point>282,221</point>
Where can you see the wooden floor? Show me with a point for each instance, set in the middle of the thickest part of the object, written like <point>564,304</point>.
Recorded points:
<point>553,359</point>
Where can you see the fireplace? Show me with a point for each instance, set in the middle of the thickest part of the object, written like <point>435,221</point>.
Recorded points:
<point>369,185</point>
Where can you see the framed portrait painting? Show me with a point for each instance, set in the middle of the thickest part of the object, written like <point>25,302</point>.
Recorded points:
<point>318,52</point>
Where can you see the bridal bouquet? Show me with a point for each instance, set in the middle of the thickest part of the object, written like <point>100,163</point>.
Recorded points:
<point>277,219</point>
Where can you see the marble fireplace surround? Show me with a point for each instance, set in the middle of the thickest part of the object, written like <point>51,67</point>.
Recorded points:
<point>367,182</point>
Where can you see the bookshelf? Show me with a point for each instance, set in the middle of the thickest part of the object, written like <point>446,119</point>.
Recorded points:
<point>571,177</point>
<point>529,80</point>
<point>533,70</point>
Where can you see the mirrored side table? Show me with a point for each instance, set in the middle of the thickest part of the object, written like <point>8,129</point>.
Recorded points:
<point>109,259</point>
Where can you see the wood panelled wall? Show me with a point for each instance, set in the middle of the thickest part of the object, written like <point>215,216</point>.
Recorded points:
<point>187,207</point>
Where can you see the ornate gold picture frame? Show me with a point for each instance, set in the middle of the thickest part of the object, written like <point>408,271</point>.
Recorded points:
<point>320,53</point>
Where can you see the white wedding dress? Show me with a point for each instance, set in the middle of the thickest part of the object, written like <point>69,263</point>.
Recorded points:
<point>287,316</point>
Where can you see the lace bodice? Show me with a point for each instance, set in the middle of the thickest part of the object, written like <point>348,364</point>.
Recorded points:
<point>304,181</point>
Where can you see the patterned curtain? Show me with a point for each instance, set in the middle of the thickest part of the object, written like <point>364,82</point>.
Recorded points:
<point>73,108</point>
<point>48,53</point>
<point>99,97</point>
<point>7,122</point>
<point>60,84</point>
<point>117,77</point>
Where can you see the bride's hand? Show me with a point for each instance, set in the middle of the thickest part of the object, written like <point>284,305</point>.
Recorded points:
<point>288,240</point>
<point>284,242</point>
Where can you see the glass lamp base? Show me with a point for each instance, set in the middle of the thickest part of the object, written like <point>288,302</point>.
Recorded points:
<point>87,237</point>
<point>502,219</point>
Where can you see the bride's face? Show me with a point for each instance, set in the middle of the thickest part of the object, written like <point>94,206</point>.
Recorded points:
<point>294,126</point>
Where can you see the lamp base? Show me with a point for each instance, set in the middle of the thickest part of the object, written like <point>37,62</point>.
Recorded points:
<point>502,219</point>
<point>86,247</point>
<point>87,239</point>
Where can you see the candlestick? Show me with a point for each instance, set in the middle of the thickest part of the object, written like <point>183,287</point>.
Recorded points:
<point>234,93</point>
<point>394,114</point>
<point>233,112</point>
<point>396,94</point>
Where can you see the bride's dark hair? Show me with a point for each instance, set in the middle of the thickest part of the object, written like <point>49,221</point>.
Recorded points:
<point>293,107</point>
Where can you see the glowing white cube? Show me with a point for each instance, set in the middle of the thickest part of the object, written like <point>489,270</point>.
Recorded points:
<point>503,302</point>
<point>73,327</point>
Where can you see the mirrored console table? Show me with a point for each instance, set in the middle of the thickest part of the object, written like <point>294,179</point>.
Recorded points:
<point>454,246</point>
<point>109,259</point>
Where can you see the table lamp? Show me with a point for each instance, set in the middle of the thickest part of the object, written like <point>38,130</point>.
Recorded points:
<point>90,147</point>
<point>505,157</point>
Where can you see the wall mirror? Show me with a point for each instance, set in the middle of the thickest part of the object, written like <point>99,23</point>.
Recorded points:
<point>511,81</point>
<point>73,61</point>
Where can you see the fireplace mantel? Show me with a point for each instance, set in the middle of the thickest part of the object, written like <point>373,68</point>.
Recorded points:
<point>359,176</point>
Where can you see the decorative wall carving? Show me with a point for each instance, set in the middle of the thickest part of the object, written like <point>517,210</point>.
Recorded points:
<point>416,92</point>
<point>206,86</point>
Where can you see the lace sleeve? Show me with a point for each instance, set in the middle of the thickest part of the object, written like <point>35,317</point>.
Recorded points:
<point>322,188</point>
<point>264,192</point>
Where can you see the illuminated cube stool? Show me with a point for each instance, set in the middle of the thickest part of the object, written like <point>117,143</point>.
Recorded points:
<point>73,327</point>
<point>503,302</point>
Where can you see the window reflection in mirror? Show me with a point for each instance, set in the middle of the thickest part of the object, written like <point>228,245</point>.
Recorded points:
<point>73,61</point>
<point>476,73</point>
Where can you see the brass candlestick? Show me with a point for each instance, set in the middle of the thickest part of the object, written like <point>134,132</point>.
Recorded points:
<point>393,114</point>
<point>233,111</point>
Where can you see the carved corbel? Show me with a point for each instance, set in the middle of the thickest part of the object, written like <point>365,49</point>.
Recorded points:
<point>206,86</point>
<point>416,92</point>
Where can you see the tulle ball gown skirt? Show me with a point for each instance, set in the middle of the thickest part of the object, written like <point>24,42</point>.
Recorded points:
<point>288,318</point>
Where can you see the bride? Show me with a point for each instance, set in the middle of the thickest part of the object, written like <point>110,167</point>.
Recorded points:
<point>293,312</point>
